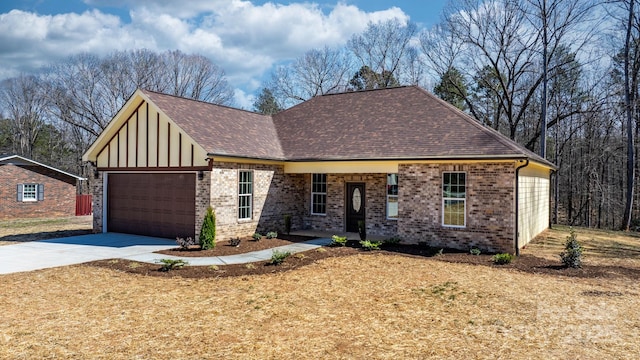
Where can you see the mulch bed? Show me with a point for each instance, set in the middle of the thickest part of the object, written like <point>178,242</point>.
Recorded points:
<point>526,263</point>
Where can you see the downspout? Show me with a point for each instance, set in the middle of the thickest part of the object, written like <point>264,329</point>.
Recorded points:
<point>517,204</point>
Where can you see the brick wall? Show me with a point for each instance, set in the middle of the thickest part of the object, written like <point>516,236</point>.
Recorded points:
<point>59,192</point>
<point>274,195</point>
<point>375,204</point>
<point>490,207</point>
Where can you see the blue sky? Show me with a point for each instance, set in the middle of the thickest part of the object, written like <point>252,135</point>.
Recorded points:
<point>245,38</point>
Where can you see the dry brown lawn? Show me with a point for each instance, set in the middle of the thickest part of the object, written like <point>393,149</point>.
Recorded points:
<point>20,230</point>
<point>355,307</point>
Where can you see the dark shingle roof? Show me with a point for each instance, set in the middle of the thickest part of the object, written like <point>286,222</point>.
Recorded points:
<point>222,130</point>
<point>396,123</point>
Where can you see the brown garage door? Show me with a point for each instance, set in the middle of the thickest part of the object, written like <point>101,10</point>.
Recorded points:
<point>161,205</point>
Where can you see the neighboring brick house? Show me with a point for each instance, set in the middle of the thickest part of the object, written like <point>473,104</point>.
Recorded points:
<point>29,189</point>
<point>407,163</point>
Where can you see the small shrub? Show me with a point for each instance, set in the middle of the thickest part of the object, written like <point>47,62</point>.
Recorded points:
<point>338,240</point>
<point>370,245</point>
<point>171,264</point>
<point>502,259</point>
<point>300,256</point>
<point>475,251</point>
<point>249,266</point>
<point>185,243</point>
<point>208,230</point>
<point>214,268</point>
<point>278,257</point>
<point>287,224</point>
<point>272,235</point>
<point>321,250</point>
<point>439,252</point>
<point>257,236</point>
<point>392,241</point>
<point>572,254</point>
<point>234,242</point>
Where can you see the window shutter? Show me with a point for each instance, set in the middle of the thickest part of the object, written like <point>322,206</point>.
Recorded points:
<point>20,192</point>
<point>40,192</point>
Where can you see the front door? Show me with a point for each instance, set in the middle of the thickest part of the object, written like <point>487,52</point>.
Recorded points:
<point>355,205</point>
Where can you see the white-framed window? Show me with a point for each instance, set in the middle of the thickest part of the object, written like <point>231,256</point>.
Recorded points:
<point>30,192</point>
<point>392,196</point>
<point>454,199</point>
<point>245,194</point>
<point>319,194</point>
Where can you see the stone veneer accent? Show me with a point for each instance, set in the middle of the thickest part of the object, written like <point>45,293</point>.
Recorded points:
<point>274,195</point>
<point>59,192</point>
<point>490,212</point>
<point>97,189</point>
<point>375,204</point>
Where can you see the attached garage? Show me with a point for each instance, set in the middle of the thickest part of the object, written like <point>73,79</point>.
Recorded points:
<point>151,204</point>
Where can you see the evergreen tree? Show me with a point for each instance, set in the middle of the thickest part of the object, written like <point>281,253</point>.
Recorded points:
<point>452,88</point>
<point>208,231</point>
<point>266,103</point>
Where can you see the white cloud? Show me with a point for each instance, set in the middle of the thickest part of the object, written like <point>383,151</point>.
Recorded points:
<point>29,41</point>
<point>245,39</point>
<point>243,100</point>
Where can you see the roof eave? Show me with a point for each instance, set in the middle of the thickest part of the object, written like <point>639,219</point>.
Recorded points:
<point>33,162</point>
<point>514,157</point>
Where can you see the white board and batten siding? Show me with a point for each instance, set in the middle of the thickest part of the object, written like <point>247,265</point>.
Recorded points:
<point>149,139</point>
<point>533,203</point>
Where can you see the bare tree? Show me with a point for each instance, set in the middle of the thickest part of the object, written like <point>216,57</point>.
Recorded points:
<point>317,72</point>
<point>23,102</point>
<point>195,77</point>
<point>556,21</point>
<point>630,79</point>
<point>497,46</point>
<point>386,49</point>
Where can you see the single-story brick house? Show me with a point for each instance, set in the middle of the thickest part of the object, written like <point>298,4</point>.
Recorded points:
<point>407,163</point>
<point>29,189</point>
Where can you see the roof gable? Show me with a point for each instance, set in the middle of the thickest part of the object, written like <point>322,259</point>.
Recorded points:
<point>142,135</point>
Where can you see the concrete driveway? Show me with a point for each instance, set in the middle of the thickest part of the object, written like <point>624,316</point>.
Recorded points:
<point>50,253</point>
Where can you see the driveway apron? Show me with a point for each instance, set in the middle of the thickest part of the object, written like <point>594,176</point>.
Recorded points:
<point>35,255</point>
<point>50,253</point>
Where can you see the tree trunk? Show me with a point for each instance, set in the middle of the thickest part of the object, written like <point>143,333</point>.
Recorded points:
<point>626,220</point>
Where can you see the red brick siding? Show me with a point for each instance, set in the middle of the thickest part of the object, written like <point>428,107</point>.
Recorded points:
<point>490,206</point>
<point>274,195</point>
<point>375,204</point>
<point>59,192</point>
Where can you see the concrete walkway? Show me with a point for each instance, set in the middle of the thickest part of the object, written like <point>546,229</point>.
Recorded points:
<point>244,258</point>
<point>50,253</point>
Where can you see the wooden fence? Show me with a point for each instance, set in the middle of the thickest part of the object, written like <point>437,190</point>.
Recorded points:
<point>84,205</point>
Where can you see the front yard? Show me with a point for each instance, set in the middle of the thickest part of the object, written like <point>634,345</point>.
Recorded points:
<point>19,230</point>
<point>374,305</point>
